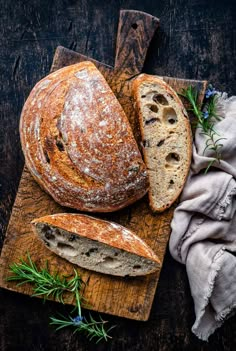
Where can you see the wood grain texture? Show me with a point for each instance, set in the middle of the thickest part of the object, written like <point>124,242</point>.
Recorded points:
<point>196,39</point>
<point>130,298</point>
<point>135,30</point>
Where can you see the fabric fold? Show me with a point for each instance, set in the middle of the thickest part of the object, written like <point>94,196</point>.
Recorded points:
<point>204,226</point>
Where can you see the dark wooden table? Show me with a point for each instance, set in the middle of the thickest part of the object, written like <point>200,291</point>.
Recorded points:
<point>197,40</point>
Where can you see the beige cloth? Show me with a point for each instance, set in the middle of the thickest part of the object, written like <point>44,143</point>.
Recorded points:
<point>204,226</point>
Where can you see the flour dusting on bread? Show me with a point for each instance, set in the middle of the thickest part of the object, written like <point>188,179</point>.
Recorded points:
<point>78,143</point>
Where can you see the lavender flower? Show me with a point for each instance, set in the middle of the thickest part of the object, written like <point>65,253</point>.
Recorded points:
<point>210,92</point>
<point>77,320</point>
<point>205,114</point>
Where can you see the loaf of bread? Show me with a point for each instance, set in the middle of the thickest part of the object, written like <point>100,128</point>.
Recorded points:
<point>95,244</point>
<point>166,139</point>
<point>78,144</point>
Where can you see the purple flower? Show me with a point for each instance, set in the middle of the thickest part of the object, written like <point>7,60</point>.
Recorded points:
<point>210,92</point>
<point>205,114</point>
<point>77,320</point>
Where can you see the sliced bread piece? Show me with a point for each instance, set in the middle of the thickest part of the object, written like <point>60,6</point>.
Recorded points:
<point>95,244</point>
<point>166,139</point>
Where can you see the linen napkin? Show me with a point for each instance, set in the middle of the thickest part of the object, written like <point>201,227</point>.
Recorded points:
<point>204,225</point>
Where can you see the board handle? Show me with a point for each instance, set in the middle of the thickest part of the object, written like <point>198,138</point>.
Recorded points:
<point>135,31</point>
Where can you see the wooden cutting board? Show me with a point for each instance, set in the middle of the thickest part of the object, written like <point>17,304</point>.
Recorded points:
<point>126,297</point>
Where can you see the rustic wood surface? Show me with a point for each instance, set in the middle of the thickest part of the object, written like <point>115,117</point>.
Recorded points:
<point>196,40</point>
<point>130,298</point>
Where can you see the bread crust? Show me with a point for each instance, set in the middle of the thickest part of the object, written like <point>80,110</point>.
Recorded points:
<point>144,79</point>
<point>108,233</point>
<point>78,144</point>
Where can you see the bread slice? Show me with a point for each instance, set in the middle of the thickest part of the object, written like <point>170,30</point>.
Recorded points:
<point>78,143</point>
<point>95,244</point>
<point>166,139</point>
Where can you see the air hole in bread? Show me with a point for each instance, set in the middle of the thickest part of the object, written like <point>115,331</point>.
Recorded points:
<point>152,120</point>
<point>72,237</point>
<point>49,236</point>
<point>160,99</point>
<point>161,142</point>
<point>134,26</point>
<point>146,143</point>
<point>110,262</point>
<point>137,266</point>
<point>153,108</point>
<point>48,232</point>
<point>67,249</point>
<point>90,251</point>
<point>143,96</point>
<point>59,235</point>
<point>60,145</point>
<point>171,185</point>
<point>172,158</point>
<point>170,116</point>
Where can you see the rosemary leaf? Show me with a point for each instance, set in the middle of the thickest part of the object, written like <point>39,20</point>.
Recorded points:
<point>206,119</point>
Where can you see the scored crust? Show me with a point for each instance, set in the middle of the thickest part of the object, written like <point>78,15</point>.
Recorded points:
<point>85,240</point>
<point>166,139</point>
<point>78,143</point>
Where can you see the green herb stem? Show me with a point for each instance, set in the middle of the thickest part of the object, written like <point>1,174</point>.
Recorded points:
<point>55,286</point>
<point>206,123</point>
<point>90,327</point>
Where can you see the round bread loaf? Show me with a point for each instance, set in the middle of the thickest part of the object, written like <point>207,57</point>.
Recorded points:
<point>78,143</point>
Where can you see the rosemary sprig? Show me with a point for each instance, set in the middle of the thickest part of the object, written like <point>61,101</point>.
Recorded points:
<point>91,327</point>
<point>55,286</point>
<point>206,118</point>
<point>45,284</point>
